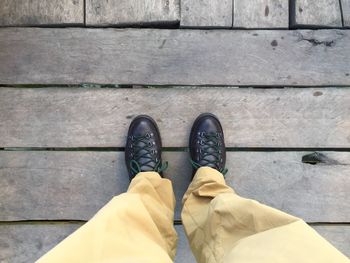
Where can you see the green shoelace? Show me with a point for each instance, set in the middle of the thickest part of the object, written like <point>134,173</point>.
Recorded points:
<point>142,149</point>
<point>211,148</point>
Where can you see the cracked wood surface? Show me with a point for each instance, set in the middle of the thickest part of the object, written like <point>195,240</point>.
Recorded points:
<point>179,57</point>
<point>17,244</point>
<point>76,117</point>
<point>261,14</point>
<point>132,12</point>
<point>206,13</point>
<point>74,185</point>
<point>43,12</point>
<point>316,13</point>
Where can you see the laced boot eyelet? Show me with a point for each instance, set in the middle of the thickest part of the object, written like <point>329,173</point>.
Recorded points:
<point>147,136</point>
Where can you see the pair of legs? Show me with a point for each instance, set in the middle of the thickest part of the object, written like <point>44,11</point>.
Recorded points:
<point>221,226</point>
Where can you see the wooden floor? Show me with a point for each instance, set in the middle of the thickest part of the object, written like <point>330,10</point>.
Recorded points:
<point>74,73</point>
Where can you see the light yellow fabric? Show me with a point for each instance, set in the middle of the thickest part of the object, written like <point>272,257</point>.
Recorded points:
<point>133,227</point>
<point>221,227</point>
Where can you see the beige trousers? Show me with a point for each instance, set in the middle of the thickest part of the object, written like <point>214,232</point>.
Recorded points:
<point>221,227</point>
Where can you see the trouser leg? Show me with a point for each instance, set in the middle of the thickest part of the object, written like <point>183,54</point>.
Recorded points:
<point>136,226</point>
<point>224,227</point>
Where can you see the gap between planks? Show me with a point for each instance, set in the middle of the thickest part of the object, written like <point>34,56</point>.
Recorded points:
<point>172,149</point>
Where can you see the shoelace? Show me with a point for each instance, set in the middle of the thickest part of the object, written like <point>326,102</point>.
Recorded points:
<point>144,151</point>
<point>211,148</point>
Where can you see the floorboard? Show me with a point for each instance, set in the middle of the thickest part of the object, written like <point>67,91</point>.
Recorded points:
<point>261,14</point>
<point>77,117</point>
<point>174,57</point>
<point>319,13</point>
<point>75,185</point>
<point>206,13</point>
<point>346,12</point>
<point>43,12</point>
<point>132,12</point>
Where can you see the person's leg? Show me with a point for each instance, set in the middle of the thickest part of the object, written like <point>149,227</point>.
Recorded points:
<point>223,227</point>
<point>136,226</point>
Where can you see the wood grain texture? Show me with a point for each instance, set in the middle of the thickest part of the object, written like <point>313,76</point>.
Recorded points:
<point>41,12</point>
<point>179,57</point>
<point>261,14</point>
<point>206,13</point>
<point>346,12</point>
<point>316,13</point>
<point>23,243</point>
<point>75,185</point>
<point>337,235</point>
<point>17,244</point>
<point>131,12</point>
<point>59,185</point>
<point>76,117</point>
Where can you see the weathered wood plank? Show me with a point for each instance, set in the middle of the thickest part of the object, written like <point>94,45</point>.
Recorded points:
<point>17,244</point>
<point>316,13</point>
<point>261,14</point>
<point>22,243</point>
<point>73,117</point>
<point>74,185</point>
<point>179,57</point>
<point>183,253</point>
<point>346,12</point>
<point>131,12</point>
<point>337,235</point>
<point>49,184</point>
<point>206,13</point>
<point>43,12</point>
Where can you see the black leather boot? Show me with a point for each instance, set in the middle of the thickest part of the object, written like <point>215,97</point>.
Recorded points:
<point>207,145</point>
<point>143,147</point>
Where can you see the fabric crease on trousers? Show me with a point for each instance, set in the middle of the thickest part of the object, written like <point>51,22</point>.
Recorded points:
<point>220,225</point>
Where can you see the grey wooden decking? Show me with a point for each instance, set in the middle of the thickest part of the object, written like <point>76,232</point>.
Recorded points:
<point>70,85</point>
